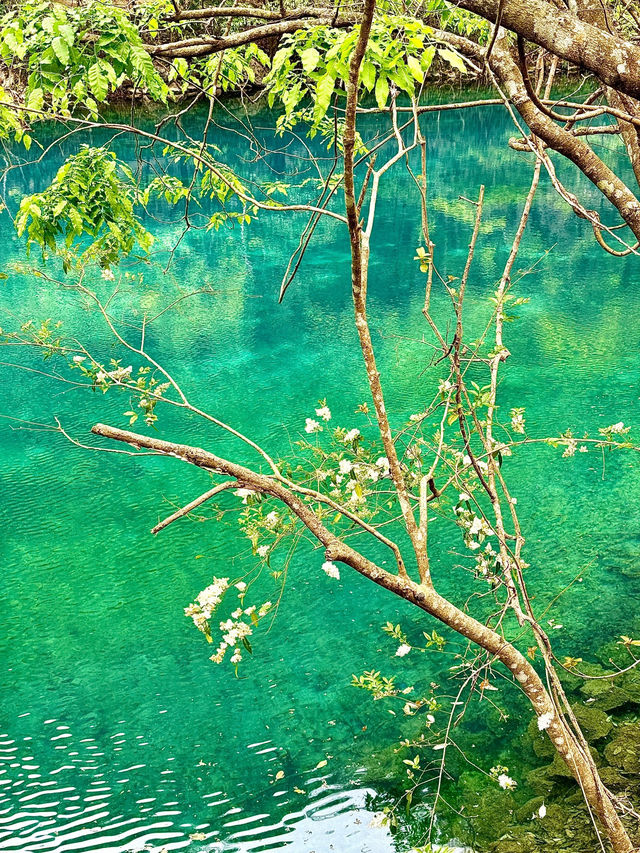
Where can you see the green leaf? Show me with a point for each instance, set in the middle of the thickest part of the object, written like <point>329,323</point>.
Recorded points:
<point>310,58</point>
<point>61,50</point>
<point>414,67</point>
<point>98,82</point>
<point>67,33</point>
<point>324,91</point>
<point>453,59</point>
<point>35,99</point>
<point>427,58</point>
<point>368,75</point>
<point>382,92</point>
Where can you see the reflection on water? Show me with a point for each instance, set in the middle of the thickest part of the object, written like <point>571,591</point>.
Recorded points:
<point>118,731</point>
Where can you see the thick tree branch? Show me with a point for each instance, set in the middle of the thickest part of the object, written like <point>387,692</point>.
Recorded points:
<point>613,60</point>
<point>205,45</point>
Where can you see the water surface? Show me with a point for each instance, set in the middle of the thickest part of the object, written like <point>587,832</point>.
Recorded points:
<point>116,731</point>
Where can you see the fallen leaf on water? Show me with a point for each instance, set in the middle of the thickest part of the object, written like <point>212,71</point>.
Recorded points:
<point>279,775</point>
<point>320,764</point>
<point>198,836</point>
<point>299,791</point>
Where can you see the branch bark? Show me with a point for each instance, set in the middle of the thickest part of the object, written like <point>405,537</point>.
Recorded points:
<point>612,59</point>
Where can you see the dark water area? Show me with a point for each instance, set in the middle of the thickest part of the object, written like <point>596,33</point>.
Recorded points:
<point>116,731</point>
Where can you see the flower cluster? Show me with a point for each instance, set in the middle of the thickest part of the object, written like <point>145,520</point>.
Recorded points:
<point>487,563</point>
<point>201,610</point>
<point>475,529</point>
<point>517,420</point>
<point>331,570</point>
<point>120,374</point>
<point>235,630</point>
<point>499,773</point>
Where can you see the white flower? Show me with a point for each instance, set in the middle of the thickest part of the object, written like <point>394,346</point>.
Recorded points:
<point>463,496</point>
<point>263,550</point>
<point>476,526</point>
<point>544,720</point>
<point>373,474</point>
<point>351,435</point>
<point>244,494</point>
<point>101,376</point>
<point>383,463</point>
<point>324,413</point>
<point>108,275</point>
<point>542,811</point>
<point>241,585</point>
<point>345,466</point>
<point>506,782</point>
<point>236,657</point>
<point>583,448</point>
<point>403,650</point>
<point>312,426</point>
<point>445,386</point>
<point>77,359</point>
<point>430,719</point>
<point>272,518</point>
<point>264,608</point>
<point>619,427</point>
<point>331,569</point>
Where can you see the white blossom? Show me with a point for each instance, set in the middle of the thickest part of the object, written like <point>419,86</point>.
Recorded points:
<point>618,428</point>
<point>345,466</point>
<point>542,811</point>
<point>351,435</point>
<point>263,550</point>
<point>517,420</point>
<point>241,585</point>
<point>331,570</point>
<point>403,650</point>
<point>506,782</point>
<point>544,720</point>
<point>383,463</point>
<point>244,494</point>
<point>211,596</point>
<point>312,426</point>
<point>77,359</point>
<point>272,518</point>
<point>108,275</point>
<point>324,412</point>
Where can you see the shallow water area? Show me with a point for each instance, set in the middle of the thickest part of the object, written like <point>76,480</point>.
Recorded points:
<point>116,731</point>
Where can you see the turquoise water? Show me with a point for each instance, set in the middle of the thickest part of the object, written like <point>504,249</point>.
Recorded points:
<point>117,731</point>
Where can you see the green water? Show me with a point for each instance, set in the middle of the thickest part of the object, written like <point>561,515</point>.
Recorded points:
<point>117,731</point>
